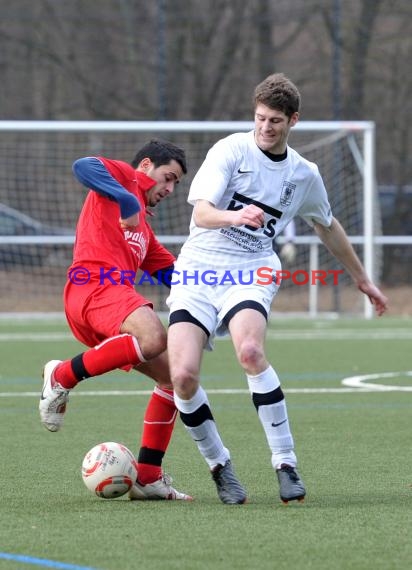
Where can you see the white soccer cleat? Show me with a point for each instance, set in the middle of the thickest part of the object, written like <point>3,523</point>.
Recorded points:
<point>157,491</point>
<point>53,399</point>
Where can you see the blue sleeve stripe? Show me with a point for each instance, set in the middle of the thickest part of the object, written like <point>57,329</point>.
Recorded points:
<point>92,173</point>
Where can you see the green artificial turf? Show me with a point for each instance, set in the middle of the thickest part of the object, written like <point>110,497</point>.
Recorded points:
<point>354,451</point>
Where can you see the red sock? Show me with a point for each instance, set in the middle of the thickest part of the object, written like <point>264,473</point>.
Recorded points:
<point>117,352</point>
<point>159,420</point>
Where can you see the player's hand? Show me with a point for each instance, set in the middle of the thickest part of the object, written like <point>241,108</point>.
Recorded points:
<point>376,297</point>
<point>288,252</point>
<point>129,223</point>
<point>250,215</point>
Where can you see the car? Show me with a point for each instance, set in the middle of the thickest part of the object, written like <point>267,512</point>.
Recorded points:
<point>396,215</point>
<point>396,209</point>
<point>14,223</point>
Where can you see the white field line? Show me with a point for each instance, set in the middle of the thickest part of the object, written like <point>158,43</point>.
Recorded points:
<point>235,391</point>
<point>36,337</point>
<point>341,334</point>
<point>361,381</point>
<point>352,384</point>
<point>281,334</point>
<point>213,391</point>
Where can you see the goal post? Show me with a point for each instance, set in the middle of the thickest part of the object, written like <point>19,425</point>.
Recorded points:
<point>40,201</point>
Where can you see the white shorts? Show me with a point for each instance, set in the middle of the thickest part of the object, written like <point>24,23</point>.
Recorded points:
<point>209,294</point>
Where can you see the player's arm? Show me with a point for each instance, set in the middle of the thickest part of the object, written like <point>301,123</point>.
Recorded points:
<point>164,275</point>
<point>92,173</point>
<point>335,239</point>
<point>206,215</point>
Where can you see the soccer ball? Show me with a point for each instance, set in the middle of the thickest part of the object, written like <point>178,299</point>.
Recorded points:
<point>109,470</point>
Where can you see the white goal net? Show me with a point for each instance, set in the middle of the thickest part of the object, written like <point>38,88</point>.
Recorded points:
<point>40,201</point>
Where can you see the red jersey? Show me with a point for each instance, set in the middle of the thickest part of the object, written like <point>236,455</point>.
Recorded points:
<point>102,243</point>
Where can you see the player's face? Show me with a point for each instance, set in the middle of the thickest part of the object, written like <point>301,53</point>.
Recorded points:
<point>166,177</point>
<point>272,128</point>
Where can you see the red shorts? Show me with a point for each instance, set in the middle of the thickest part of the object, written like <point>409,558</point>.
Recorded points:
<point>96,311</point>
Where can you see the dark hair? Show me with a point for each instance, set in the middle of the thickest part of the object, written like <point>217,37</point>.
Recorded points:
<point>160,152</point>
<point>279,93</point>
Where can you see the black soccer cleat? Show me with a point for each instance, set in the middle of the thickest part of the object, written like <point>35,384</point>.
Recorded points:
<point>229,489</point>
<point>291,486</point>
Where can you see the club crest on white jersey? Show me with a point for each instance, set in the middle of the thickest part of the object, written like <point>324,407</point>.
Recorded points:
<point>286,195</point>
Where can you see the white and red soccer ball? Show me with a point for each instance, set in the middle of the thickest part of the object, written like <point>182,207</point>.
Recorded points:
<point>109,470</point>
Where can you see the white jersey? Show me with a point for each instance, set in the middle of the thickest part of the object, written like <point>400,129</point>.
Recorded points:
<point>235,173</point>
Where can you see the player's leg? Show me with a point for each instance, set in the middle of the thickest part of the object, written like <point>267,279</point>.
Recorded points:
<point>118,351</point>
<point>130,314</point>
<point>186,340</point>
<point>96,315</point>
<point>158,423</point>
<point>247,327</point>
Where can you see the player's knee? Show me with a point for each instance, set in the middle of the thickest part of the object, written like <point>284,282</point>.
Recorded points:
<point>250,354</point>
<point>147,328</point>
<point>184,381</point>
<point>153,342</point>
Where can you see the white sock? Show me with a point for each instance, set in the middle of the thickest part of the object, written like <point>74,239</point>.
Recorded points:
<point>202,428</point>
<point>273,417</point>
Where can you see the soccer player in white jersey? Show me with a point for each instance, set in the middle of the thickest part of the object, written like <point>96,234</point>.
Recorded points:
<point>246,191</point>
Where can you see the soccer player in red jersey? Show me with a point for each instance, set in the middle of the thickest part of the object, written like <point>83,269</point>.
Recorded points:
<point>104,310</point>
